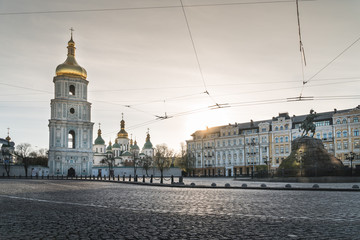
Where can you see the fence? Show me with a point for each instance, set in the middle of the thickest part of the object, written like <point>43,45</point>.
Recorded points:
<point>139,179</point>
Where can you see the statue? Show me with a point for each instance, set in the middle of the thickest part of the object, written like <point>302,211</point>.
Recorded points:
<point>308,124</point>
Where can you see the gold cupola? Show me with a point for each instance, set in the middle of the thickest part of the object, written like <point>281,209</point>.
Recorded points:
<point>122,133</point>
<point>70,67</point>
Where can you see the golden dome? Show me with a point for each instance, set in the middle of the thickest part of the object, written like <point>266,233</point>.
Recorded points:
<point>122,133</point>
<point>70,66</point>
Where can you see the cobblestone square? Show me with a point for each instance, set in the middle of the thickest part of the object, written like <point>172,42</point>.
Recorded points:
<point>50,209</point>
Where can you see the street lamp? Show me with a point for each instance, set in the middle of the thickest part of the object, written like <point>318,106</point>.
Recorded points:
<point>350,156</point>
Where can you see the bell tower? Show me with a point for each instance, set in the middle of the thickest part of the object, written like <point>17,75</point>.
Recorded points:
<point>70,126</point>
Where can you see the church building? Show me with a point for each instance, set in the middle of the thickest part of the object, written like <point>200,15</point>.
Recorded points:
<point>123,151</point>
<point>70,126</point>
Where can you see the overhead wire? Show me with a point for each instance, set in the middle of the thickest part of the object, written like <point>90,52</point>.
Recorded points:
<point>144,8</point>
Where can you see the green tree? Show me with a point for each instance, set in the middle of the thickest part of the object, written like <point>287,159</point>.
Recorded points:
<point>110,161</point>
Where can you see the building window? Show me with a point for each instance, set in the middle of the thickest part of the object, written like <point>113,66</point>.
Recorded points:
<point>286,127</point>
<point>286,139</point>
<point>277,160</point>
<point>276,128</point>
<point>357,144</point>
<point>338,134</point>
<point>318,136</point>
<point>356,119</point>
<point>234,141</point>
<point>344,133</point>
<point>281,139</point>
<point>276,140</point>
<point>338,145</point>
<point>356,132</point>
<point>346,145</point>
<point>263,130</point>
<point>276,150</point>
<point>330,134</point>
<point>281,128</point>
<point>72,110</point>
<point>286,149</point>
<point>72,90</point>
<point>344,121</point>
<point>71,139</point>
<point>324,136</point>
<point>338,121</point>
<point>281,149</point>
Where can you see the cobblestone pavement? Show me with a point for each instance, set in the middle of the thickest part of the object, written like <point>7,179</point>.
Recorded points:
<point>221,181</point>
<point>51,209</point>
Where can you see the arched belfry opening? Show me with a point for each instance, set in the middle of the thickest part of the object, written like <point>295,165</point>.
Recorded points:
<point>72,90</point>
<point>71,139</point>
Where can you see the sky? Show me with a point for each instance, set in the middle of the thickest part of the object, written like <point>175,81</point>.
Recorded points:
<point>146,60</point>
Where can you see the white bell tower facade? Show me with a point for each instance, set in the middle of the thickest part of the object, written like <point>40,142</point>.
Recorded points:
<point>70,126</point>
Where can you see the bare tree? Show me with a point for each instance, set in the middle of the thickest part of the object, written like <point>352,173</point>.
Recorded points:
<point>23,151</point>
<point>146,163</point>
<point>185,159</point>
<point>110,161</point>
<point>163,158</point>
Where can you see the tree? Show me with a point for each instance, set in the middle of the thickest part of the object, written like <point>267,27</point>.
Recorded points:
<point>146,163</point>
<point>163,158</point>
<point>185,159</point>
<point>110,161</point>
<point>23,151</point>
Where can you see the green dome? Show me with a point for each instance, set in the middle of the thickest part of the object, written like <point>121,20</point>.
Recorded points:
<point>99,140</point>
<point>135,146</point>
<point>116,145</point>
<point>126,154</point>
<point>148,144</point>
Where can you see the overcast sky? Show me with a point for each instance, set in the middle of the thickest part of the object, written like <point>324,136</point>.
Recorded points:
<point>140,54</point>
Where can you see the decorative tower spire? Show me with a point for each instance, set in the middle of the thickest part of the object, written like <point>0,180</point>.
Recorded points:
<point>122,133</point>
<point>8,138</point>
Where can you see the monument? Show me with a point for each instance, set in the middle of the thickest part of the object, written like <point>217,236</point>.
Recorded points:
<point>308,157</point>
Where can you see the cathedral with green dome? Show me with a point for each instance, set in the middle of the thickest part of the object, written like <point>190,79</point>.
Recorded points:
<point>123,151</point>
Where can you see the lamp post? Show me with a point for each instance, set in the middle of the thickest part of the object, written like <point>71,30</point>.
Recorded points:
<point>350,156</point>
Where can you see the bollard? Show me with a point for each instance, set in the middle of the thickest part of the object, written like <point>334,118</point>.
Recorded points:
<point>151,179</point>
<point>20,176</point>
<point>80,176</point>
<point>62,176</point>
<point>31,176</point>
<point>37,176</point>
<point>124,178</point>
<point>227,184</point>
<point>244,185</point>
<point>315,186</point>
<point>113,177</point>
<point>75,176</point>
<point>288,185</point>
<point>172,179</point>
<point>130,178</point>
<point>48,177</point>
<point>181,179</point>
<point>42,176</point>
<point>118,178</point>
<point>213,184</point>
<point>143,178</point>
<point>135,178</point>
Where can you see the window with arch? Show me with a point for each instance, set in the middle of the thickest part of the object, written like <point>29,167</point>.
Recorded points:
<point>286,127</point>
<point>72,90</point>
<point>71,139</point>
<point>276,128</point>
<point>286,139</point>
<point>345,134</point>
<point>338,121</point>
<point>281,128</point>
<point>281,139</point>
<point>344,121</point>
<point>330,135</point>
<point>276,140</point>
<point>356,119</point>
<point>338,134</point>
<point>318,136</point>
<point>324,136</point>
